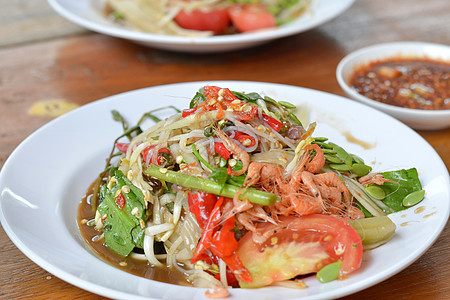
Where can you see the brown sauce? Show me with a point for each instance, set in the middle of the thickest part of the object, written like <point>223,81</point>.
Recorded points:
<point>405,82</point>
<point>429,215</point>
<point>351,139</point>
<point>137,267</point>
<point>419,210</point>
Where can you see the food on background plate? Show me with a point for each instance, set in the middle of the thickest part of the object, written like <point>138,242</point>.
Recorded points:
<point>235,191</point>
<point>204,17</point>
<point>417,83</point>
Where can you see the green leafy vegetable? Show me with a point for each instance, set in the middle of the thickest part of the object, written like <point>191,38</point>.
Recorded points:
<point>122,225</point>
<point>247,97</point>
<point>198,98</point>
<point>238,166</point>
<point>220,175</point>
<point>404,183</point>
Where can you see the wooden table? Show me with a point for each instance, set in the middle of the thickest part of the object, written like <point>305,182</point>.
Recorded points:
<point>63,61</point>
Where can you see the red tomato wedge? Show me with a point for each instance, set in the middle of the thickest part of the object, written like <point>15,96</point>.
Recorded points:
<point>216,20</point>
<point>250,17</point>
<point>122,147</point>
<point>299,246</point>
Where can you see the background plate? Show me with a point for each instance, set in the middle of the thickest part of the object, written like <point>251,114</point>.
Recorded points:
<point>43,180</point>
<point>89,14</point>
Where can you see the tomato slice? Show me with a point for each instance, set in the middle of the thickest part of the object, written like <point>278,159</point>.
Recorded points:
<point>250,17</point>
<point>122,147</point>
<point>216,20</point>
<point>299,246</point>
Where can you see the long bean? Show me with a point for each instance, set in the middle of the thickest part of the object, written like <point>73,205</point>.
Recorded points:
<point>210,186</point>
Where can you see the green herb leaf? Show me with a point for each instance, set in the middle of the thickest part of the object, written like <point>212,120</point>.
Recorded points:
<point>198,98</point>
<point>404,183</point>
<point>238,166</point>
<point>236,180</point>
<point>121,227</point>
<point>248,98</point>
<point>220,175</point>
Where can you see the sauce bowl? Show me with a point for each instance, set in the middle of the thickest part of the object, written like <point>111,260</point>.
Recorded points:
<point>415,118</point>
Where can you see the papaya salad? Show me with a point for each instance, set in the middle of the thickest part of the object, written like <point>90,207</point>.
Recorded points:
<point>203,17</point>
<point>235,191</point>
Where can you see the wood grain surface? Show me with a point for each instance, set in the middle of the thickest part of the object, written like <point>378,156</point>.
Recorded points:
<point>80,66</point>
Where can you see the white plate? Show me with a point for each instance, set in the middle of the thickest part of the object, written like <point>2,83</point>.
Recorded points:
<point>88,14</point>
<point>44,179</point>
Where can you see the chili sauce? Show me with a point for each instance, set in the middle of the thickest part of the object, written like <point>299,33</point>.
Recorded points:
<point>417,83</point>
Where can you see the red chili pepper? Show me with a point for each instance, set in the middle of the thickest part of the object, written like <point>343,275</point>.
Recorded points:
<point>272,122</point>
<point>120,201</point>
<point>201,205</point>
<point>208,232</point>
<point>230,171</point>
<point>237,267</point>
<point>222,150</point>
<point>224,245</point>
<point>223,242</point>
<point>241,137</point>
<point>188,111</point>
<point>122,147</point>
<point>231,278</point>
<point>208,259</point>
